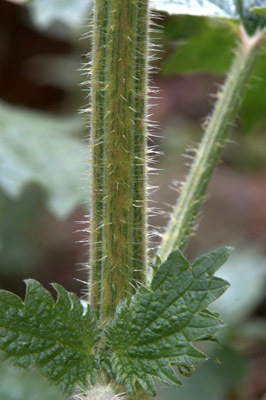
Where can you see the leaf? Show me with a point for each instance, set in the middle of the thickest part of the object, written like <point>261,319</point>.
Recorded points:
<point>57,337</point>
<point>209,8</point>
<point>37,148</point>
<point>199,53</point>
<point>71,13</point>
<point>159,326</point>
<point>230,9</point>
<point>259,10</point>
<point>30,385</point>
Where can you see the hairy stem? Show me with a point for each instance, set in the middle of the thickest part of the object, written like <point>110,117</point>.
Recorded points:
<point>139,166</point>
<point>119,155</point>
<point>97,128</point>
<point>209,152</point>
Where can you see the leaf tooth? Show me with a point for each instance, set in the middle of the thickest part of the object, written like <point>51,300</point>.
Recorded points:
<point>211,262</point>
<point>63,302</point>
<point>168,376</point>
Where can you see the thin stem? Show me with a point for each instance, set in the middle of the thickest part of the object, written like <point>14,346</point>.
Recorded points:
<point>139,167</point>
<point>119,154</point>
<point>97,128</point>
<point>209,152</point>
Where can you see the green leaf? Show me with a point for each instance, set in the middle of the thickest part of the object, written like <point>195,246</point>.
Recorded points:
<point>209,8</point>
<point>230,9</point>
<point>161,323</point>
<point>30,385</point>
<point>37,148</point>
<point>199,53</point>
<point>57,337</point>
<point>259,10</point>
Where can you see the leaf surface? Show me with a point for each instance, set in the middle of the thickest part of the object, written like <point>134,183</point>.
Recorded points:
<point>38,148</point>
<point>57,337</point>
<point>161,323</point>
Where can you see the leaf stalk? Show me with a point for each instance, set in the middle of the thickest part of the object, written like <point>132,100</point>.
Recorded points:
<point>208,155</point>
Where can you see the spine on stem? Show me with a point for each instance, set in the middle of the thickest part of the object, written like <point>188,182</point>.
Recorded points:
<point>209,152</point>
<point>119,89</point>
<point>140,152</point>
<point>98,104</point>
<point>119,148</point>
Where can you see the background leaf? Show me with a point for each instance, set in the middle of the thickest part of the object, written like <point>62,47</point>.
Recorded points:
<point>210,8</point>
<point>58,337</point>
<point>30,385</point>
<point>35,148</point>
<point>161,323</point>
<point>196,52</point>
<point>72,13</point>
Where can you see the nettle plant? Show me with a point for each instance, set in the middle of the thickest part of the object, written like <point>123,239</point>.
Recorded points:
<point>142,316</point>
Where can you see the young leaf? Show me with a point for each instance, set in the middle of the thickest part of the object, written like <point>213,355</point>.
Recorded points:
<point>159,326</point>
<point>57,337</point>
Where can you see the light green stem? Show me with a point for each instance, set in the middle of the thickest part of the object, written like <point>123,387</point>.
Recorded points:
<point>229,99</point>
<point>119,155</point>
<point>140,138</point>
<point>97,131</point>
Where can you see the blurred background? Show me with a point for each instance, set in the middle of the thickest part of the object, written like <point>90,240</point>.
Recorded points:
<point>44,177</point>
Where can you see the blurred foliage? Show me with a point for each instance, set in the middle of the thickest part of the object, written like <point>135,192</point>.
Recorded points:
<point>246,293</point>
<point>72,13</point>
<point>21,248</point>
<point>196,52</point>
<point>242,10</point>
<point>37,148</point>
<point>16,384</point>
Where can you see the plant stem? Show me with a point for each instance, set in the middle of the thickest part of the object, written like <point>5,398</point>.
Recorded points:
<point>97,128</point>
<point>229,99</point>
<point>139,167</point>
<point>119,155</point>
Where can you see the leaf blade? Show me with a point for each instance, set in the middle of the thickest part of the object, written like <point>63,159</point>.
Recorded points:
<point>39,331</point>
<point>161,323</point>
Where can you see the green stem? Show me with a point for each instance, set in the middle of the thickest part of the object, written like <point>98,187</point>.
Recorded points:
<point>139,167</point>
<point>119,155</point>
<point>97,129</point>
<point>229,99</point>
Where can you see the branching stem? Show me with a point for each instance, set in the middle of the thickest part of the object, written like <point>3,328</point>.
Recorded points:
<point>208,155</point>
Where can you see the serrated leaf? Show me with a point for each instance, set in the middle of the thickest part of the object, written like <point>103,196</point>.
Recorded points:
<point>57,337</point>
<point>38,148</point>
<point>30,385</point>
<point>161,323</point>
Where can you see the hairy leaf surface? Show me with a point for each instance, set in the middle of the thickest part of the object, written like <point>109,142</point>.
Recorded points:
<point>57,337</point>
<point>161,323</point>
